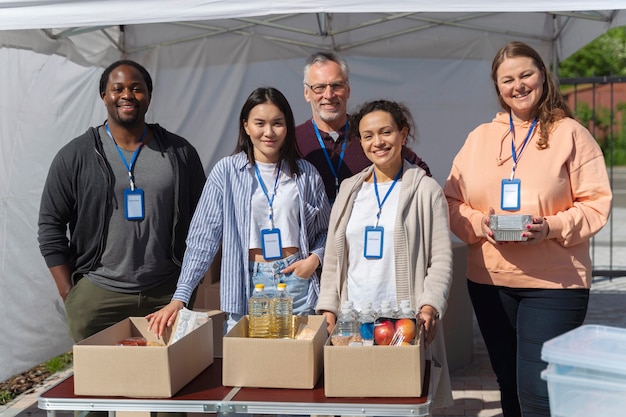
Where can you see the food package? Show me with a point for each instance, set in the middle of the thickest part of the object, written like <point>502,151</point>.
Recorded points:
<point>187,321</point>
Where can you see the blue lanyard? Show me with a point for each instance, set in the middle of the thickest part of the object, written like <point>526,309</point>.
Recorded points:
<point>517,155</point>
<point>330,163</point>
<point>269,200</point>
<point>130,166</point>
<point>380,203</point>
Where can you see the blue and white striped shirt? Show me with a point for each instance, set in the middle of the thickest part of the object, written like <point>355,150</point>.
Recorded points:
<point>223,217</point>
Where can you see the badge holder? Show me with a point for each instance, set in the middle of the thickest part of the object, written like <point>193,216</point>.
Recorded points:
<point>373,247</point>
<point>271,244</point>
<point>510,194</point>
<point>134,204</point>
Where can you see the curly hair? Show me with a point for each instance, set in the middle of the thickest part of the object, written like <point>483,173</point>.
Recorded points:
<point>399,112</point>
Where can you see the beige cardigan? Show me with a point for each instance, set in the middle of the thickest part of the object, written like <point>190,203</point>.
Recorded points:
<point>423,254</point>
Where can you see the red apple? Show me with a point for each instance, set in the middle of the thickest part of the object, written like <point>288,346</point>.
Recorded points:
<point>383,332</point>
<point>406,328</point>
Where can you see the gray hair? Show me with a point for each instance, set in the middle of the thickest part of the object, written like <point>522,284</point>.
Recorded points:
<point>324,57</point>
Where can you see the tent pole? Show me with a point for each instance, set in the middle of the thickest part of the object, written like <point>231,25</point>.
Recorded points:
<point>322,23</point>
<point>123,41</point>
<point>555,55</point>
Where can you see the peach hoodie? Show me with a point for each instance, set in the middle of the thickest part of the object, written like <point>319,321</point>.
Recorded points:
<point>567,184</point>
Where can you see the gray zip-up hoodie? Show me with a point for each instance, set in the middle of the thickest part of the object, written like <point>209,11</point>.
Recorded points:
<point>78,193</point>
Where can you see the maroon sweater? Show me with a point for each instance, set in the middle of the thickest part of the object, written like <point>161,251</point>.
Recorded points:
<point>354,159</point>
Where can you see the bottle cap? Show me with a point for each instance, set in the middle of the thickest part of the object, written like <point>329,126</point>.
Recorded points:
<point>281,286</point>
<point>259,286</point>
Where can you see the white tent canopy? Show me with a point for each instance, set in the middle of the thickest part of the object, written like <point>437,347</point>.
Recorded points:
<point>205,58</point>
<point>417,29</point>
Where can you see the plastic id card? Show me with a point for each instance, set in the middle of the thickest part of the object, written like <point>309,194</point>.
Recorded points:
<point>133,204</point>
<point>510,197</point>
<point>373,247</point>
<point>271,244</point>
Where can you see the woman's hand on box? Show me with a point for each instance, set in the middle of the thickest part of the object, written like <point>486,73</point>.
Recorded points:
<point>428,316</point>
<point>330,320</point>
<point>165,317</point>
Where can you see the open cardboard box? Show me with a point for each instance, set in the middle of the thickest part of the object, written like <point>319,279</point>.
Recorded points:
<point>374,371</point>
<point>274,363</point>
<point>102,368</point>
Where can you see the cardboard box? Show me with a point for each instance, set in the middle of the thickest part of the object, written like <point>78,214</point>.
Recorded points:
<point>273,363</point>
<point>218,317</point>
<point>374,371</point>
<point>207,296</point>
<point>102,368</point>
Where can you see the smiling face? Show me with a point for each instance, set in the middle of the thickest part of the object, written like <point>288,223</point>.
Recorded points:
<point>126,97</point>
<point>267,128</point>
<point>382,142</point>
<point>520,83</point>
<point>329,106</point>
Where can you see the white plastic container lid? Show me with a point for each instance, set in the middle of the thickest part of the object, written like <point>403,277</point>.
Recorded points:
<point>591,346</point>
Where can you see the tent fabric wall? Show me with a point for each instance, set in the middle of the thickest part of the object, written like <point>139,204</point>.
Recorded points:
<point>200,102</point>
<point>49,96</point>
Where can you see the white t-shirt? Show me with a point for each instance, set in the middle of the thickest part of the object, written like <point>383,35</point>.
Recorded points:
<point>285,204</point>
<point>372,279</point>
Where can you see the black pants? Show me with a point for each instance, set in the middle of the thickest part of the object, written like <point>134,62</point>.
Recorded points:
<point>515,323</point>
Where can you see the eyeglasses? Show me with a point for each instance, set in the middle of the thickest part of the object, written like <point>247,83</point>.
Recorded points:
<point>321,88</point>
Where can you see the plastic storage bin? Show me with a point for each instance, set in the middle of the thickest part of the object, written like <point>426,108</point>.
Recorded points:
<point>586,372</point>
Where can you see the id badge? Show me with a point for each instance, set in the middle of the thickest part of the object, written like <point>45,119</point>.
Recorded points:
<point>373,247</point>
<point>510,196</point>
<point>271,244</point>
<point>133,204</point>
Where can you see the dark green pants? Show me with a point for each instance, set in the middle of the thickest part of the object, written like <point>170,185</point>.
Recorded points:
<point>90,309</point>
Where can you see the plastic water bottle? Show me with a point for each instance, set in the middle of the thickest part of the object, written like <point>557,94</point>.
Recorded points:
<point>386,310</point>
<point>347,329</point>
<point>259,313</point>
<point>405,310</point>
<point>350,305</point>
<point>366,324</point>
<point>281,311</point>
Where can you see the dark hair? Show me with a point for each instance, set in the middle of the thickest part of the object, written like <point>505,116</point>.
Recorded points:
<point>271,95</point>
<point>104,79</point>
<point>399,112</point>
<point>551,107</point>
<point>324,57</point>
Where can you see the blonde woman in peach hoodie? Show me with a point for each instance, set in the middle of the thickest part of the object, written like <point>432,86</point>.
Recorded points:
<point>535,159</point>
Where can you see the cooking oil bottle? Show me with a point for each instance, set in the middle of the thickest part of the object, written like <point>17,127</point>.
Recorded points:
<point>281,311</point>
<point>259,313</point>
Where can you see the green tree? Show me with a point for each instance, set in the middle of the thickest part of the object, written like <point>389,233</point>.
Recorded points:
<point>605,55</point>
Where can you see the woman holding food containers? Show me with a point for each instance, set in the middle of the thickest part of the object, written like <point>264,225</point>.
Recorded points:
<point>540,174</point>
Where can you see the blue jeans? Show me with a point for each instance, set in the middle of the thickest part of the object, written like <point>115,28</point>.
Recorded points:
<point>515,322</point>
<point>268,274</point>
